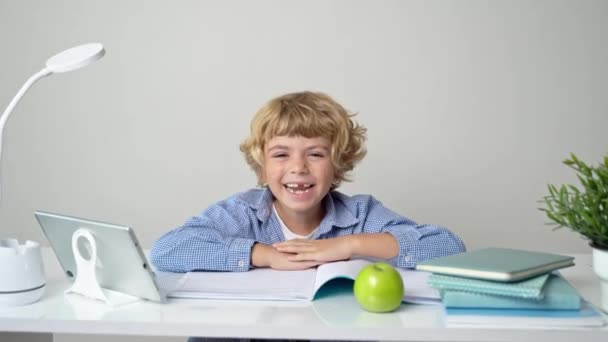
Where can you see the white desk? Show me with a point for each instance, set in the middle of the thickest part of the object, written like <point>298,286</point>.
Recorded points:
<point>335,317</point>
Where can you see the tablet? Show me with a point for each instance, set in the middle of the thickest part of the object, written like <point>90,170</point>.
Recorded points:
<point>121,263</point>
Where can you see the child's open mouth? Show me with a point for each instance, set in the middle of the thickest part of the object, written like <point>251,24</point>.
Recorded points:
<point>295,188</point>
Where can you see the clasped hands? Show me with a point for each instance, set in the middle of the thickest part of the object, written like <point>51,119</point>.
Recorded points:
<point>299,254</point>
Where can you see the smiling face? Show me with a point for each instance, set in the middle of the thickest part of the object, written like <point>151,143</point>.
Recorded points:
<point>299,172</point>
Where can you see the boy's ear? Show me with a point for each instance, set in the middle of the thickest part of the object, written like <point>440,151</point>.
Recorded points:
<point>335,183</point>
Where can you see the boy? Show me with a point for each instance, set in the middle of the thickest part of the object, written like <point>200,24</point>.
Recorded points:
<point>301,147</point>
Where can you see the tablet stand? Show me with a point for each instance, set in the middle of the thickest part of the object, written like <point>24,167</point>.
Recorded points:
<point>86,283</point>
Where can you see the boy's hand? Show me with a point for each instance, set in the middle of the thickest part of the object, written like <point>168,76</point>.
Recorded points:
<point>267,256</point>
<point>339,248</point>
<point>282,261</point>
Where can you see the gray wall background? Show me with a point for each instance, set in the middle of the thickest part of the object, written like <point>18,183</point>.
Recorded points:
<point>471,106</point>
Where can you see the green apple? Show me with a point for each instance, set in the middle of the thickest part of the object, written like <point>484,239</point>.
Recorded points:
<point>379,287</point>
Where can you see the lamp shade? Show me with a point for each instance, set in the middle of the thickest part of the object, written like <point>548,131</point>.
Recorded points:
<point>75,58</point>
<point>68,60</point>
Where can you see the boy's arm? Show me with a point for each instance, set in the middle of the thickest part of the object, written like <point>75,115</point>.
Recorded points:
<point>405,253</point>
<point>416,242</point>
<point>200,245</point>
<point>381,234</point>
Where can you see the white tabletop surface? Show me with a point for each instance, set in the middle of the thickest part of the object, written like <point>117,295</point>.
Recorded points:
<point>332,318</point>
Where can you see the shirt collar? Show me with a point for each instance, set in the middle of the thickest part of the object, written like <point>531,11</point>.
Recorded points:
<point>336,213</point>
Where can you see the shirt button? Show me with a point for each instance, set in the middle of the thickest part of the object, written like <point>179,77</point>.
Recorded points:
<point>241,263</point>
<point>407,258</point>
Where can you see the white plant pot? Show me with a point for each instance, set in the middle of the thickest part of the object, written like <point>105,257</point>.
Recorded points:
<point>600,267</point>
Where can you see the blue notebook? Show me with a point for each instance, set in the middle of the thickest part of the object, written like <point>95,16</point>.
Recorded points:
<point>558,295</point>
<point>530,288</point>
<point>498,264</point>
<point>587,316</point>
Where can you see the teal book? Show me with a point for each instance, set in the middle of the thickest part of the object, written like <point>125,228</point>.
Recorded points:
<point>558,295</point>
<point>530,288</point>
<point>498,264</point>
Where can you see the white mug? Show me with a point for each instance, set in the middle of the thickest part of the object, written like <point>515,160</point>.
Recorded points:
<point>22,279</point>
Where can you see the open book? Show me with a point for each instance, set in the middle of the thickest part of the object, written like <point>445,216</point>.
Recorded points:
<point>269,284</point>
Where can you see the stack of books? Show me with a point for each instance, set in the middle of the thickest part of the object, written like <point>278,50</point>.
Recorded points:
<point>508,287</point>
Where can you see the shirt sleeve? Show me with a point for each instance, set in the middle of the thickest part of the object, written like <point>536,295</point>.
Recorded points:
<point>417,242</point>
<point>200,244</point>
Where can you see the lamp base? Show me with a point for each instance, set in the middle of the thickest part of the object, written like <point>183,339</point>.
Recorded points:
<point>22,297</point>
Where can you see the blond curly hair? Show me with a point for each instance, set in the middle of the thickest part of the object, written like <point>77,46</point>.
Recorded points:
<point>311,115</point>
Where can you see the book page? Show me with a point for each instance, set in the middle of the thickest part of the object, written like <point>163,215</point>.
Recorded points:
<point>340,269</point>
<point>256,284</point>
<point>416,288</point>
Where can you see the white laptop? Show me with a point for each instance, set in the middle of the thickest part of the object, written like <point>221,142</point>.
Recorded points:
<point>122,266</point>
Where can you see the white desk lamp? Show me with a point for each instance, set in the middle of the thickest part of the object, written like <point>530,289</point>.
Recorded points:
<point>22,279</point>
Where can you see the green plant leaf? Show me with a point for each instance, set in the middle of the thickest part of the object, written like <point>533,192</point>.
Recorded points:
<point>585,209</point>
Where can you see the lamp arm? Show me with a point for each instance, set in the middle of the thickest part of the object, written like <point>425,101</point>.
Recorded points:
<point>40,74</point>
<point>7,112</point>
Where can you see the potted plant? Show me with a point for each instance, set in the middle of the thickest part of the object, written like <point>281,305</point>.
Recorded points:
<point>585,211</point>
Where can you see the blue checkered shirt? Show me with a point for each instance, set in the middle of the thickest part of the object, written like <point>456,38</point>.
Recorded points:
<point>221,237</point>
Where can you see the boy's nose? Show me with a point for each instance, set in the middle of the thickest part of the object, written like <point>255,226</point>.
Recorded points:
<point>298,166</point>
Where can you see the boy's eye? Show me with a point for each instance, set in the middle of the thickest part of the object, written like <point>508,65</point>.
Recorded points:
<point>279,155</point>
<point>317,154</point>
